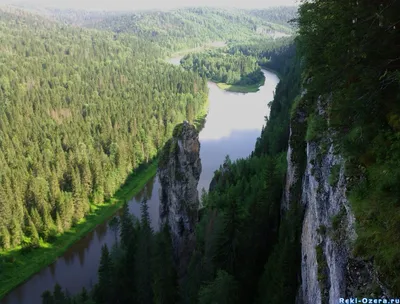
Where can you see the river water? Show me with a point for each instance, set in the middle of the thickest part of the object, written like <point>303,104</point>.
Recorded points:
<point>233,123</point>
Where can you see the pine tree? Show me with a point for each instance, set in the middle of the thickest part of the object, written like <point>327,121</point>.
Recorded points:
<point>59,225</point>
<point>165,277</point>
<point>228,239</point>
<point>34,235</point>
<point>127,229</point>
<point>114,225</point>
<point>58,294</point>
<point>16,233</point>
<point>143,259</point>
<point>223,290</point>
<point>47,298</point>
<point>83,297</point>
<point>103,289</point>
<point>5,240</point>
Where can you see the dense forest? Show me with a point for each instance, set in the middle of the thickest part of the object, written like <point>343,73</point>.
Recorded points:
<point>192,27</point>
<point>241,211</point>
<point>218,66</point>
<point>80,110</point>
<point>265,50</point>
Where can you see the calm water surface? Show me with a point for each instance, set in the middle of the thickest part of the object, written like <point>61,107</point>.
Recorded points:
<point>233,124</point>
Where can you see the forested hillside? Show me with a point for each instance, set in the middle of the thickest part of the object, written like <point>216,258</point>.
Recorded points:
<point>192,27</point>
<point>80,109</point>
<point>218,66</point>
<point>241,211</point>
<point>266,51</point>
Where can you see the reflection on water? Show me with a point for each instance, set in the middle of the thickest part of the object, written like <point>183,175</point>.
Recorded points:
<point>232,127</point>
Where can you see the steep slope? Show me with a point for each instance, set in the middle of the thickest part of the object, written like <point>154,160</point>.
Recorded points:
<point>179,172</point>
<point>350,103</point>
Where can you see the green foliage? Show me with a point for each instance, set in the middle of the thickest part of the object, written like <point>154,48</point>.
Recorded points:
<point>334,175</point>
<point>268,52</point>
<point>223,290</point>
<point>321,230</point>
<point>165,284</point>
<point>192,27</point>
<point>18,265</point>
<point>338,224</point>
<point>316,126</point>
<point>221,67</point>
<point>279,282</point>
<point>92,107</point>
<point>275,137</point>
<point>103,289</point>
<point>96,104</point>
<point>143,268</point>
<point>347,49</point>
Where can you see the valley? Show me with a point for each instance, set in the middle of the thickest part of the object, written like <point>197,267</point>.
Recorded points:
<point>199,155</point>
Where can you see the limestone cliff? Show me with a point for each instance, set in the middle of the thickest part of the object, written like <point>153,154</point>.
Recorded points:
<point>179,172</point>
<point>328,269</point>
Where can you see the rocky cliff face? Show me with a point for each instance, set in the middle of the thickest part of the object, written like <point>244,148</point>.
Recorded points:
<point>179,172</point>
<point>328,269</point>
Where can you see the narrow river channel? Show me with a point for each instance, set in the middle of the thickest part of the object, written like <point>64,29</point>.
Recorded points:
<point>233,123</point>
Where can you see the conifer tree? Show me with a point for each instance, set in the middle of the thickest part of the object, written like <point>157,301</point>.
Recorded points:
<point>143,270</point>
<point>223,290</point>
<point>103,290</point>
<point>165,284</point>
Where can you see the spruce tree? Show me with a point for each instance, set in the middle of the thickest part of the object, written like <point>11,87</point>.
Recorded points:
<point>165,284</point>
<point>103,290</point>
<point>143,270</point>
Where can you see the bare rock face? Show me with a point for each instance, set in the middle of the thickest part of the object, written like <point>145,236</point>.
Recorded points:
<point>329,271</point>
<point>179,172</point>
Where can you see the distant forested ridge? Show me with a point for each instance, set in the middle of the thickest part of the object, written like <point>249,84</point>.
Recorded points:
<point>192,27</point>
<point>236,69</point>
<point>79,111</point>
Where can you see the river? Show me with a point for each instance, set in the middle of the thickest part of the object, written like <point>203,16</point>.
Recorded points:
<point>233,123</point>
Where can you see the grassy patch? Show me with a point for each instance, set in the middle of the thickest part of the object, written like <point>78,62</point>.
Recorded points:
<point>16,267</point>
<point>316,126</point>
<point>240,88</point>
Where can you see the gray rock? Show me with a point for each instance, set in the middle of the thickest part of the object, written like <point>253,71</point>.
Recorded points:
<point>179,175</point>
<point>327,206</point>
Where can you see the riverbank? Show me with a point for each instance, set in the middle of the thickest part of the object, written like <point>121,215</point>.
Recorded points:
<point>239,88</point>
<point>16,267</point>
<point>252,88</point>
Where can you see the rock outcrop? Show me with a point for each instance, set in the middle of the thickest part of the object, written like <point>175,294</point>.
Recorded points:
<point>328,269</point>
<point>179,172</point>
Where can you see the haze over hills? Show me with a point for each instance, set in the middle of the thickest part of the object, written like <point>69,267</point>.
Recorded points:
<point>126,5</point>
